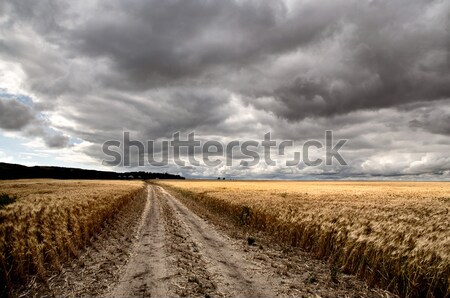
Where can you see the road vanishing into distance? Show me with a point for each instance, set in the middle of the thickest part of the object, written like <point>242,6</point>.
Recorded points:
<point>179,254</point>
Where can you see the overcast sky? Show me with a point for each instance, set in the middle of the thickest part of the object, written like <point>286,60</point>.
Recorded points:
<point>74,74</point>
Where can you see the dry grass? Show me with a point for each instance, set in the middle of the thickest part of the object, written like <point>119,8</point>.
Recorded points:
<point>51,220</point>
<point>393,234</point>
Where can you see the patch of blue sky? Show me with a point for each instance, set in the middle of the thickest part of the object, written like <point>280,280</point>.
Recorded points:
<point>16,151</point>
<point>25,99</point>
<point>75,141</point>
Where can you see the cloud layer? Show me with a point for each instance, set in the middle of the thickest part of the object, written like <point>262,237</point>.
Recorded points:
<point>376,72</point>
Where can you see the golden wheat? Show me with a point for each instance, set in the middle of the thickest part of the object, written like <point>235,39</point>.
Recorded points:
<point>393,234</point>
<point>52,219</point>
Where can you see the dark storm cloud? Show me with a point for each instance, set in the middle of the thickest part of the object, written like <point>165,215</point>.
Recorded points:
<point>434,118</point>
<point>376,72</point>
<point>155,41</point>
<point>14,115</point>
<point>152,115</point>
<point>17,116</point>
<point>388,53</point>
<point>56,141</point>
<point>51,137</point>
<point>384,53</point>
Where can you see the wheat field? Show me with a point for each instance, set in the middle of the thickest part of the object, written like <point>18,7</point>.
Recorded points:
<point>393,234</point>
<point>48,221</point>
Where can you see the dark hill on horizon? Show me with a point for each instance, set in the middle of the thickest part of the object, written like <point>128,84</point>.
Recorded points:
<point>16,171</point>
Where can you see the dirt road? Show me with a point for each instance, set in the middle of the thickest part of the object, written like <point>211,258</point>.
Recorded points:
<point>146,272</point>
<point>177,253</point>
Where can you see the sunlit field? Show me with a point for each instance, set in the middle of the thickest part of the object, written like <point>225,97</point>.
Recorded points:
<point>43,222</point>
<point>393,234</point>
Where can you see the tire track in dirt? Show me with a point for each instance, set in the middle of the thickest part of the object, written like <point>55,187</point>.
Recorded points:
<point>146,272</point>
<point>231,272</point>
<point>190,277</point>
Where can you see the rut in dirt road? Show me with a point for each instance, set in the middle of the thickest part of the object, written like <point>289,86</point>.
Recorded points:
<point>146,272</point>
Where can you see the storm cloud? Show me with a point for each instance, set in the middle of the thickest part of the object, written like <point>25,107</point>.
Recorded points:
<point>14,115</point>
<point>17,116</point>
<point>375,72</point>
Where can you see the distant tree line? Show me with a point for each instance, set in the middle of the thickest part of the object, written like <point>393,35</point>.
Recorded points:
<point>15,171</point>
